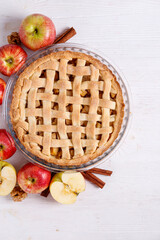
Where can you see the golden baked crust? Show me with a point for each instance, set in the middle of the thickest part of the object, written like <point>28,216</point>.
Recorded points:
<point>67,108</point>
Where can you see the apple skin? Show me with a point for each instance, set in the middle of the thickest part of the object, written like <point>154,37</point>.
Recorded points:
<point>7,145</point>
<point>7,178</point>
<point>37,31</point>
<point>33,179</point>
<point>12,57</point>
<point>2,88</point>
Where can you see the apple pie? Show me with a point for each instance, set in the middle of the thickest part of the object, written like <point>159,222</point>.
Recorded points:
<point>67,108</point>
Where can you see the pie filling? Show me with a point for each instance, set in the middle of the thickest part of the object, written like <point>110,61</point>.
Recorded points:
<point>65,115</point>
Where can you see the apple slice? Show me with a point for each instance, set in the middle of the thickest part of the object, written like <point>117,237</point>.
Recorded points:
<point>7,178</point>
<point>65,186</point>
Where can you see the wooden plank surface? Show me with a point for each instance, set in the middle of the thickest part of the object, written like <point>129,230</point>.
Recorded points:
<point>128,207</point>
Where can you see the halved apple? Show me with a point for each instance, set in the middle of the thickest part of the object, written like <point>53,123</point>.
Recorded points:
<point>7,178</point>
<point>65,186</point>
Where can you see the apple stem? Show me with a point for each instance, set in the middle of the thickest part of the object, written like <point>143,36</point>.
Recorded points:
<point>32,180</point>
<point>10,60</point>
<point>35,31</point>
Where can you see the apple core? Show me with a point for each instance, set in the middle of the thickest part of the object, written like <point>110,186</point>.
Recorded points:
<point>9,61</point>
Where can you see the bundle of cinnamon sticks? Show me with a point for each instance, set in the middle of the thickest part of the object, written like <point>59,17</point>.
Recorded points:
<point>88,175</point>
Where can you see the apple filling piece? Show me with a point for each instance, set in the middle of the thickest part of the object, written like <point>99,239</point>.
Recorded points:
<point>69,93</point>
<point>69,107</point>
<point>73,62</point>
<point>43,74</point>
<point>56,77</point>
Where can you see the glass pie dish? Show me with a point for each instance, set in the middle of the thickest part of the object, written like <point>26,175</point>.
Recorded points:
<point>125,125</point>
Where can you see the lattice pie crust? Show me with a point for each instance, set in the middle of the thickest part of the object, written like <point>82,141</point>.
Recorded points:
<point>67,108</point>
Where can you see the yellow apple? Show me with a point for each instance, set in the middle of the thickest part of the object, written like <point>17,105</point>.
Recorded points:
<point>65,186</point>
<point>7,178</point>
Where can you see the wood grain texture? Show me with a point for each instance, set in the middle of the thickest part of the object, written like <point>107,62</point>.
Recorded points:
<point>128,207</point>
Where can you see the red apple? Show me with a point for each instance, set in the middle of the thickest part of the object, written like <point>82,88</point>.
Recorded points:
<point>12,57</point>
<point>33,179</point>
<point>2,88</point>
<point>7,145</point>
<point>37,31</point>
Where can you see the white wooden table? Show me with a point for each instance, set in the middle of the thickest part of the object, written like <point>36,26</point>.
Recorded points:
<point>128,208</point>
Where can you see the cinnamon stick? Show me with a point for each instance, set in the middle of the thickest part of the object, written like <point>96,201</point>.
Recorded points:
<point>100,171</point>
<point>45,193</point>
<point>93,179</point>
<point>64,37</point>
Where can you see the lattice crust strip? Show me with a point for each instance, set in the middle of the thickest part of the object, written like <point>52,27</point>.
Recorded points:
<point>76,135</point>
<point>67,108</point>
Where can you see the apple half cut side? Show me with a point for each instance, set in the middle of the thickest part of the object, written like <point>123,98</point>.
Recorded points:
<point>7,179</point>
<point>65,186</point>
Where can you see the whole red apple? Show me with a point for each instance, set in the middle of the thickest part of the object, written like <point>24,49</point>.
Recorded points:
<point>37,31</point>
<point>2,88</point>
<point>12,57</point>
<point>7,145</point>
<point>33,179</point>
